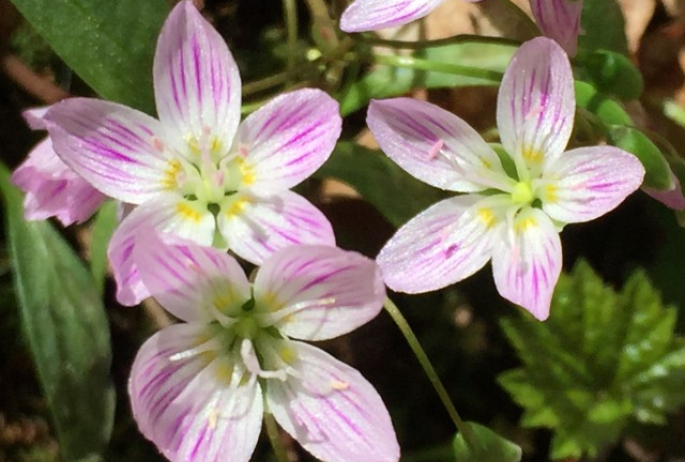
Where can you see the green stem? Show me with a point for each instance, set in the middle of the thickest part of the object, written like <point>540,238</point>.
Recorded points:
<point>420,354</point>
<point>527,21</point>
<point>418,44</point>
<point>447,68</point>
<point>275,438</point>
<point>266,83</point>
<point>290,9</point>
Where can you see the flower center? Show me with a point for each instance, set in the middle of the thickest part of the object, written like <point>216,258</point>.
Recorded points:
<point>522,193</point>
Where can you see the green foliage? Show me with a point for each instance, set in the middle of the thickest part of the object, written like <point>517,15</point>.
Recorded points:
<point>103,227</point>
<point>603,359</point>
<point>603,27</point>
<point>395,193</point>
<point>386,81</point>
<point>657,170</point>
<point>109,44</point>
<point>65,324</point>
<point>489,446</point>
<point>604,107</point>
<point>612,73</point>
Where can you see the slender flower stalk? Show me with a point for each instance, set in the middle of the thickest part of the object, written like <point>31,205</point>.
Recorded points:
<point>197,171</point>
<point>517,201</point>
<point>199,389</point>
<point>52,188</point>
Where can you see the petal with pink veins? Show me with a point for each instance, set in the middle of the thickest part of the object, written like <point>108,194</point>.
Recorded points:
<point>435,146</point>
<point>317,293</point>
<point>190,401</point>
<point>192,282</point>
<point>536,103</point>
<point>526,262</point>
<point>288,139</point>
<point>111,146</point>
<point>444,244</point>
<point>672,198</point>
<point>366,15</point>
<point>197,84</point>
<point>331,410</point>
<point>53,190</point>
<point>559,20</point>
<point>586,183</point>
<point>168,213</point>
<point>255,226</point>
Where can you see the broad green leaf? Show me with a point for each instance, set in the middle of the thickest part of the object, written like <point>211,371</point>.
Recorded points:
<point>395,193</point>
<point>489,446</point>
<point>657,170</point>
<point>612,73</point>
<point>604,27</point>
<point>109,44</point>
<point>603,359</point>
<point>103,227</point>
<point>67,330</point>
<point>385,81</point>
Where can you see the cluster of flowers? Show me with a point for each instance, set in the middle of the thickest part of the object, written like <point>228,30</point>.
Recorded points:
<point>203,182</point>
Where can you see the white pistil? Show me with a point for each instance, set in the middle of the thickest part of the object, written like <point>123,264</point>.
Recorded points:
<point>249,355</point>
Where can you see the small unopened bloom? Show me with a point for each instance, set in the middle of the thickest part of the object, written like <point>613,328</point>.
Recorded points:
<point>557,19</point>
<point>517,201</point>
<point>199,388</point>
<point>52,189</point>
<point>197,171</point>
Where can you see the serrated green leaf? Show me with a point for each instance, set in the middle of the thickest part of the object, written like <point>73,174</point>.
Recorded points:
<point>657,170</point>
<point>626,364</point>
<point>385,81</point>
<point>490,446</point>
<point>395,193</point>
<point>103,227</point>
<point>604,27</point>
<point>109,44</point>
<point>67,330</point>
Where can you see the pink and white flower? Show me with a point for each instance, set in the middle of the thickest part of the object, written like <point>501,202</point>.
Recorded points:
<point>198,389</point>
<point>518,200</point>
<point>52,189</point>
<point>197,171</point>
<point>557,19</point>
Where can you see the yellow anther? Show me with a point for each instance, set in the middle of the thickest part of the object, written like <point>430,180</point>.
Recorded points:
<point>188,213</point>
<point>169,181</point>
<point>247,175</point>
<point>487,216</point>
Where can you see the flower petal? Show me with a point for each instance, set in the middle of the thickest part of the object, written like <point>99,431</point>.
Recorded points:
<point>672,198</point>
<point>191,281</point>
<point>197,84</point>
<point>526,262</point>
<point>53,189</point>
<point>189,404</point>
<point>434,145</point>
<point>256,226</point>
<point>318,292</point>
<point>365,15</point>
<point>288,139</point>
<point>586,183</point>
<point>168,213</point>
<point>559,20</point>
<point>110,145</point>
<point>536,103</point>
<point>34,117</point>
<point>444,244</point>
<point>332,411</point>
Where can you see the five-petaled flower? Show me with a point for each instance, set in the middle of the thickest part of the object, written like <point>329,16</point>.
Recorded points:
<point>557,19</point>
<point>199,388</point>
<point>195,172</point>
<point>518,199</point>
<point>52,189</point>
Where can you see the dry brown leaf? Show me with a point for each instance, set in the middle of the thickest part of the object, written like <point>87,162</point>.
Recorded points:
<point>638,14</point>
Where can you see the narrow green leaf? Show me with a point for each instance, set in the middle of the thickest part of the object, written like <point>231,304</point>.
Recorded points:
<point>491,447</point>
<point>395,193</point>
<point>608,110</point>
<point>386,81</point>
<point>604,26</point>
<point>657,170</point>
<point>67,330</point>
<point>109,44</point>
<point>103,227</point>
<point>612,73</point>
